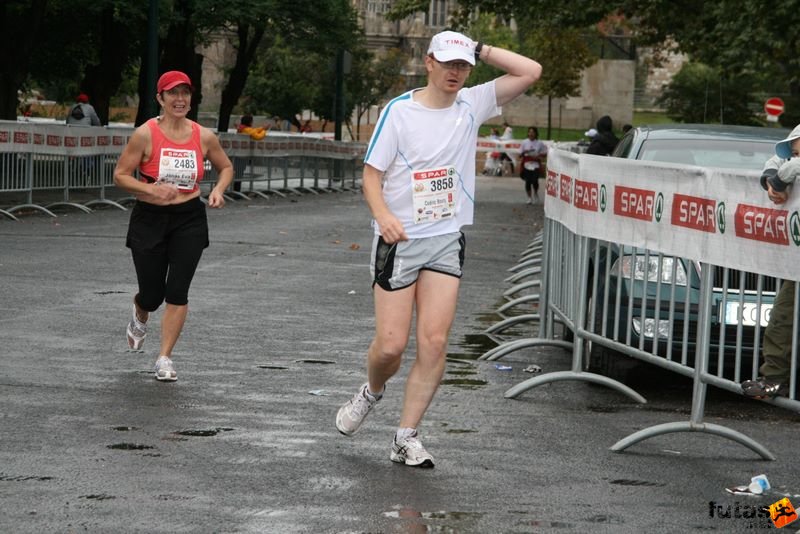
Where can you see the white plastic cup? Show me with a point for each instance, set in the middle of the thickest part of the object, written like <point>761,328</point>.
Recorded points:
<point>759,484</point>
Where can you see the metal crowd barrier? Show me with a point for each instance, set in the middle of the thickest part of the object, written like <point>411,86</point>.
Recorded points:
<point>46,166</point>
<point>617,303</point>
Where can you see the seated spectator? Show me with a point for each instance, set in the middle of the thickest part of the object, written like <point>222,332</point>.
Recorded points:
<point>605,141</point>
<point>246,127</point>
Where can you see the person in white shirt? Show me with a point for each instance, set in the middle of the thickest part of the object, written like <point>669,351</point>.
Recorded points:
<point>419,184</point>
<point>508,135</point>
<point>532,152</point>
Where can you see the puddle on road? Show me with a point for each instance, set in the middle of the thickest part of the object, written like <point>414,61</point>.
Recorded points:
<point>462,372</point>
<point>629,482</point>
<point>99,497</point>
<point>467,383</point>
<point>410,513</point>
<point>23,478</point>
<point>202,433</point>
<point>547,524</point>
<point>273,367</point>
<point>603,409</point>
<point>124,428</point>
<point>472,347</point>
<point>130,447</point>
<point>324,362</point>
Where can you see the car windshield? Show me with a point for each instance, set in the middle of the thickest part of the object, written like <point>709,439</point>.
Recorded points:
<point>730,153</point>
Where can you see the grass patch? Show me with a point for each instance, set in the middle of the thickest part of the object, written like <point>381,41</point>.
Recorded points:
<point>568,135</point>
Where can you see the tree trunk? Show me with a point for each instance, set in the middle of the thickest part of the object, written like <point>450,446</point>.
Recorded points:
<point>19,33</point>
<point>238,77</point>
<point>178,51</point>
<point>102,81</point>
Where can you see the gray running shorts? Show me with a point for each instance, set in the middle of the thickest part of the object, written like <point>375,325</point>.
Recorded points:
<point>398,265</point>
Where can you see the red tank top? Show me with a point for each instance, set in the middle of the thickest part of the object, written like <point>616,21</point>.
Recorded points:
<point>172,162</point>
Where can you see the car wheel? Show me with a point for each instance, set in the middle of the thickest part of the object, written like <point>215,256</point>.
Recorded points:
<point>602,360</point>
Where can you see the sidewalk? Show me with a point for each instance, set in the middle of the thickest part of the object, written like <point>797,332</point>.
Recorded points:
<point>281,315</point>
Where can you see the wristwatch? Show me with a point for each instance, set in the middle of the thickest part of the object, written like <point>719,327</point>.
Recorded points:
<point>478,48</point>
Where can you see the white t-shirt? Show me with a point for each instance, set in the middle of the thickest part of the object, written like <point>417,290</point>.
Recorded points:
<point>537,147</point>
<point>411,143</point>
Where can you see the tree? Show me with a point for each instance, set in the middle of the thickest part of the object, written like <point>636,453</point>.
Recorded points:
<point>19,24</point>
<point>701,94</point>
<point>740,37</point>
<point>564,55</point>
<point>372,79</point>
<point>307,27</point>
<point>489,28</point>
<point>280,82</point>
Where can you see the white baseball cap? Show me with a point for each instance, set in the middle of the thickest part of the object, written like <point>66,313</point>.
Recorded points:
<point>450,46</point>
<point>784,148</point>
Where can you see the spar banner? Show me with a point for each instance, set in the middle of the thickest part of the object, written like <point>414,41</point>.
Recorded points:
<point>69,140</point>
<point>61,139</point>
<point>717,216</point>
<point>489,144</point>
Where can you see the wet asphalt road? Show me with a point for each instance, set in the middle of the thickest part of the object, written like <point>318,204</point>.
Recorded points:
<point>280,318</point>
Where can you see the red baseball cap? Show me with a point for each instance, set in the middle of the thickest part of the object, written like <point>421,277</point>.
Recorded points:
<point>83,98</point>
<point>173,78</point>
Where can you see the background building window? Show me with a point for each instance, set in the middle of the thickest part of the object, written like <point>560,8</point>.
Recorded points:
<point>436,16</point>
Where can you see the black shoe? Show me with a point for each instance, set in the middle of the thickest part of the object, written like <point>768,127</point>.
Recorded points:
<point>764,388</point>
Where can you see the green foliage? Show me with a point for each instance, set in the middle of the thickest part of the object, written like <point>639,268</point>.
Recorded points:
<point>563,54</point>
<point>375,78</point>
<point>701,94</point>
<point>282,83</point>
<point>489,28</point>
<point>403,8</point>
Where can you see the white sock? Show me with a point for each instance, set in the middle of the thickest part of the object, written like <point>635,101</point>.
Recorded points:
<point>403,433</point>
<point>373,397</point>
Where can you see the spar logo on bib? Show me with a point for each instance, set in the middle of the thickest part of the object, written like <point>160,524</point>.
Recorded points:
<point>586,195</point>
<point>697,213</point>
<point>642,204</point>
<point>765,224</point>
<point>551,185</point>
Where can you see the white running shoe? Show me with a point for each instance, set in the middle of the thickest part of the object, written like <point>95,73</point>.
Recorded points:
<point>136,331</point>
<point>164,370</point>
<point>410,451</point>
<point>353,412</point>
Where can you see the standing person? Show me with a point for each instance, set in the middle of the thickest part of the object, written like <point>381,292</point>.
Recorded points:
<point>604,142</point>
<point>508,135</point>
<point>82,113</point>
<point>168,228</point>
<point>532,151</point>
<point>492,163</point>
<point>779,174</point>
<point>419,184</point>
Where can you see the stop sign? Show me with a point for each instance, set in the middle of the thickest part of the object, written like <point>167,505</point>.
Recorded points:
<point>774,106</point>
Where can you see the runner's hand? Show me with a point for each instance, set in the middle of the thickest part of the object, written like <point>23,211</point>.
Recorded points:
<point>391,229</point>
<point>159,194</point>
<point>215,199</point>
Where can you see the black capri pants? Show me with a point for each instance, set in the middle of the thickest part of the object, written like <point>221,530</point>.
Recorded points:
<point>166,243</point>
